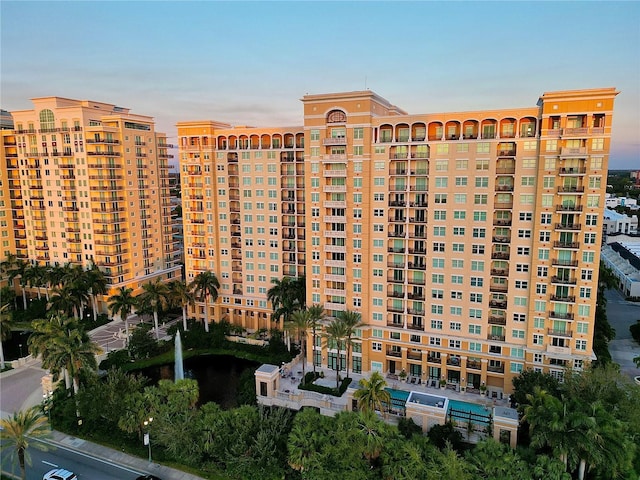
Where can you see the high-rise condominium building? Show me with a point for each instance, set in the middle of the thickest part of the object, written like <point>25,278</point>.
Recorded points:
<point>86,182</point>
<point>468,241</point>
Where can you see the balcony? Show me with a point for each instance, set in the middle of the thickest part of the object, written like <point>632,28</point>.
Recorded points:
<point>572,171</point>
<point>564,263</point>
<point>560,316</point>
<point>503,206</point>
<point>563,298</point>
<point>417,220</point>
<point>416,281</point>
<point>474,365</point>
<point>417,251</point>
<point>500,272</point>
<point>573,152</point>
<point>434,359</point>
<point>502,304</point>
<point>496,368</point>
<point>395,279</point>
<point>335,173</point>
<point>568,226</point>
<point>420,203</point>
<point>563,281</point>
<point>397,203</point>
<point>397,219</point>
<point>396,249</point>
<point>398,234</point>
<point>414,355</point>
<point>104,154</point>
<point>504,188</point>
<point>395,294</point>
<point>568,208</point>
<point>501,239</point>
<point>571,245</point>
<point>506,170</point>
<point>334,141</point>
<point>571,189</point>
<point>560,333</point>
<point>394,353</point>
<point>493,320</point>
<point>417,266</point>
<point>499,288</point>
<point>415,296</point>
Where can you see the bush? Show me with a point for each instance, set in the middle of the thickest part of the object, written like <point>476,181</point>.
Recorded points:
<point>440,435</point>
<point>116,358</point>
<point>36,309</point>
<point>335,392</point>
<point>635,331</point>
<point>408,428</point>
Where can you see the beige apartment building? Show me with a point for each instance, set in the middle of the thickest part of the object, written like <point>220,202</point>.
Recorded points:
<point>86,181</point>
<point>468,241</point>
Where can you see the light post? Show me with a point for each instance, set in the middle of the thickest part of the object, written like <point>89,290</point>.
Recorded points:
<point>147,438</point>
<point>47,400</point>
<point>20,345</point>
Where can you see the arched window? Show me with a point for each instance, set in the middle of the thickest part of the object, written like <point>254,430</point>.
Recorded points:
<point>336,116</point>
<point>47,121</point>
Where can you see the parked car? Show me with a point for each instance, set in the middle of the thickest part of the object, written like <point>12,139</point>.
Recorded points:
<point>59,474</point>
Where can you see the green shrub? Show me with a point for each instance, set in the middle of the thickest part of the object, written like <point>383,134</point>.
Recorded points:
<point>335,392</point>
<point>36,309</point>
<point>116,358</point>
<point>408,428</point>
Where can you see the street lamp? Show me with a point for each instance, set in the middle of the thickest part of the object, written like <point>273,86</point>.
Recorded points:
<point>147,438</point>
<point>20,345</point>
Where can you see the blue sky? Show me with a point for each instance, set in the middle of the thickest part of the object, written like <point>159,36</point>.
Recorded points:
<point>250,63</point>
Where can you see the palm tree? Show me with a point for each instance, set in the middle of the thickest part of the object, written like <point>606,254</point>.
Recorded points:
<point>206,285</point>
<point>17,269</point>
<point>68,299</point>
<point>97,284</point>
<point>336,334</point>
<point>5,330</point>
<point>17,431</point>
<point>182,295</point>
<point>286,297</point>
<point>123,303</point>
<point>155,295</point>
<point>299,325</point>
<point>372,395</point>
<point>352,321</point>
<point>316,314</point>
<point>64,347</point>
<point>35,276</point>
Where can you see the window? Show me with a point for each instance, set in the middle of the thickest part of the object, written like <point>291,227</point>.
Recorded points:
<point>460,198</point>
<point>438,247</point>
<point>358,133</point>
<point>459,231</point>
<point>477,266</point>
<point>477,281</point>
<point>588,257</point>
<point>479,233</point>
<point>527,181</point>
<point>376,346</point>
<point>459,214</point>
<point>479,216</point>
<point>545,218</point>
<point>591,220</point>
<point>586,275</point>
<point>475,329</point>
<point>585,292</point>
<point>590,238</point>
<point>440,215</point>
<point>442,182</point>
<point>437,262</point>
<point>545,236</point>
<point>461,181</point>
<point>462,164</point>
<point>519,317</point>
<point>439,231</point>
<point>436,324</point>
<point>597,144</point>
<point>541,288</point>
<point>482,182</point>
<point>523,251</point>
<point>440,198</point>
<point>538,339</point>
<point>526,216</point>
<point>457,279</point>
<point>522,267</point>
<point>480,199</point>
<point>456,295</point>
<point>522,233</point>
<point>475,313</point>
<point>581,345</point>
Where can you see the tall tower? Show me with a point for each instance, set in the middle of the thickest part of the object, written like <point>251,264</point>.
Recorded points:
<point>88,182</point>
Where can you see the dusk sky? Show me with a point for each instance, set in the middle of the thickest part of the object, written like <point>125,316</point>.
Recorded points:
<point>250,63</point>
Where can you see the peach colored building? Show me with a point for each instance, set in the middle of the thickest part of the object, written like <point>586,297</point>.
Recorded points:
<point>468,241</point>
<point>88,181</point>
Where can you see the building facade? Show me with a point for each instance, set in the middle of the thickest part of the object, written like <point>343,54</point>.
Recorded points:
<point>88,182</point>
<point>468,241</point>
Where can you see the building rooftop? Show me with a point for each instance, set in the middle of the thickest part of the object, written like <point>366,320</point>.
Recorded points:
<point>613,215</point>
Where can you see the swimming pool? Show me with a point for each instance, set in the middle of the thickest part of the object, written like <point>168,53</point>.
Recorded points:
<point>463,410</point>
<point>398,399</point>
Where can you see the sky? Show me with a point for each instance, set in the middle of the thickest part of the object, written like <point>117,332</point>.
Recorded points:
<point>249,63</point>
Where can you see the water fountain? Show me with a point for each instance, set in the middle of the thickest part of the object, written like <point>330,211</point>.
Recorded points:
<point>178,367</point>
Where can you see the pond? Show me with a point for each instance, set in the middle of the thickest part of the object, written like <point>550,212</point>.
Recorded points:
<point>218,376</point>
<point>16,346</point>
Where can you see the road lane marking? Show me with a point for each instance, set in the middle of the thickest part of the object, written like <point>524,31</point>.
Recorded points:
<point>86,455</point>
<point>50,464</point>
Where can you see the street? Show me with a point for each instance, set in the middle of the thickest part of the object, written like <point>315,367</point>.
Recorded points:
<point>84,466</point>
<point>622,315</point>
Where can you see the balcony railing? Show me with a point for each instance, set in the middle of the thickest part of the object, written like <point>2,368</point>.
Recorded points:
<point>560,316</point>
<point>564,263</point>
<point>568,226</point>
<point>563,281</point>
<point>493,320</point>
<point>394,353</point>
<point>560,333</point>
<point>570,189</point>
<point>495,368</point>
<point>563,298</point>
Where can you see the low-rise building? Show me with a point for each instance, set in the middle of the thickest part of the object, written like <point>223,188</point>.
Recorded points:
<point>624,261</point>
<point>615,222</point>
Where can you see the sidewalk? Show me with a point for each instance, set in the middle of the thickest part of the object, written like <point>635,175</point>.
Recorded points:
<point>120,458</point>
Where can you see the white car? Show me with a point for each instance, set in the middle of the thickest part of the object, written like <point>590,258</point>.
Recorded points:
<point>59,474</point>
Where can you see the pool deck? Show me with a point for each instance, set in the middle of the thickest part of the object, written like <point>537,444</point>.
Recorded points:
<point>289,388</point>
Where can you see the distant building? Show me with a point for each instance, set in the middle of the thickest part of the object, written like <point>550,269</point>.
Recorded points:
<point>612,201</point>
<point>616,223</point>
<point>6,120</point>
<point>635,176</point>
<point>85,182</point>
<point>624,261</point>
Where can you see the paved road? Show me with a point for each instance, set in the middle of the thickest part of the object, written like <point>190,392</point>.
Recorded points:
<point>86,467</point>
<point>622,315</point>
